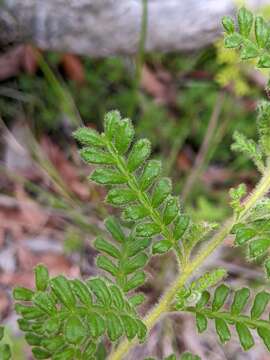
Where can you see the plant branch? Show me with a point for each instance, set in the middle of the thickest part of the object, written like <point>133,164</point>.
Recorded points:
<point>165,302</point>
<point>228,317</point>
<point>145,200</point>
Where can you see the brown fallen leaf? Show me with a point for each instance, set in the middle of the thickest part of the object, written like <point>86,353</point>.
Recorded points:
<point>184,160</point>
<point>2,237</point>
<point>73,68</point>
<point>31,212</point>
<point>4,304</point>
<point>10,62</point>
<point>68,172</point>
<point>29,62</point>
<point>17,59</point>
<point>20,215</point>
<point>162,91</point>
<point>57,263</point>
<point>20,278</point>
<point>11,220</point>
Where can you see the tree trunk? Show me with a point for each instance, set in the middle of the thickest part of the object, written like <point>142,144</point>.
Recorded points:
<point>101,28</point>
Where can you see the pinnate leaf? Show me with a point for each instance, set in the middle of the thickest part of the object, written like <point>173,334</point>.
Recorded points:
<point>96,156</point>
<point>245,21</point>
<point>123,135</point>
<point>41,277</point>
<point>108,177</point>
<point>120,196</point>
<point>161,247</point>
<point>135,213</point>
<point>220,297</point>
<point>233,40</point>
<point>89,137</point>
<point>261,31</point>
<point>245,337</point>
<point>151,171</point>
<point>228,24</point>
<point>240,300</point>
<point>162,190</point>
<point>138,154</point>
<point>222,330</point>
<point>111,122</point>
<point>171,210</point>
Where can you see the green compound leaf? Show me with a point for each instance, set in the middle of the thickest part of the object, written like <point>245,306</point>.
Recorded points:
<point>161,247</point>
<point>233,40</point>
<point>254,232</point>
<point>111,124</point>
<point>249,148</point>
<point>88,137</point>
<point>106,247</point>
<point>134,281</point>
<point>171,357</point>
<point>197,289</point>
<point>70,316</point>
<point>74,330</point>
<point>23,294</point>
<point>61,287</point>
<point>222,330</point>
<point>123,255</point>
<point>145,198</point>
<point>139,153</point>
<point>96,156</point>
<point>267,267</point>
<point>220,297</point>
<point>264,126</point>
<point>135,213</point>
<point>245,21</point>
<point>147,229</point>
<point>120,196</point>
<point>161,191</point>
<point>151,171</point>
<point>228,24</point>
<point>261,31</point>
<point>245,337</point>
<point>124,135</point>
<point>260,302</point>
<point>41,277</point>
<point>252,44</point>
<point>181,225</point>
<point>108,177</point>
<point>114,228</point>
<point>249,50</point>
<point>201,323</point>
<point>171,210</point>
<point>189,356</point>
<point>240,300</point>
<point>236,195</point>
<point>82,292</point>
<point>225,318</point>
<point>264,61</point>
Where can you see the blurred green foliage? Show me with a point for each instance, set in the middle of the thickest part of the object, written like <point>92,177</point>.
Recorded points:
<point>174,127</point>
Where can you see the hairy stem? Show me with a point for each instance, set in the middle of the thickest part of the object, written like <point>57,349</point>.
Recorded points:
<point>165,302</point>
